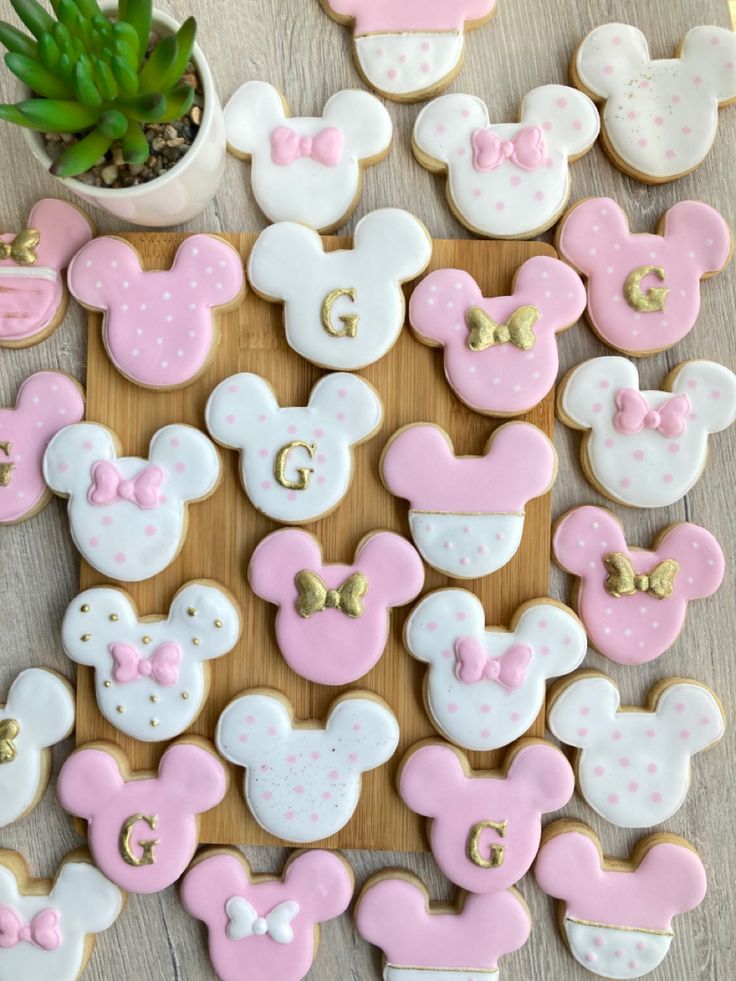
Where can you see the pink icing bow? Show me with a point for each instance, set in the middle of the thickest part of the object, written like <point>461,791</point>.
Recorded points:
<point>42,931</point>
<point>473,664</point>
<point>108,486</point>
<point>287,146</point>
<point>162,666</point>
<point>634,414</point>
<point>526,149</point>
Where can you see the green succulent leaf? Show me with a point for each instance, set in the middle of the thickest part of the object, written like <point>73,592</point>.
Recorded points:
<point>125,32</point>
<point>84,85</point>
<point>62,34</point>
<point>156,70</point>
<point>105,81</point>
<point>113,123</point>
<point>66,68</point>
<point>178,102</point>
<point>11,114</point>
<point>49,53</point>
<point>90,9</point>
<point>57,116</point>
<point>129,55</point>
<point>17,41</point>
<point>36,19</point>
<point>125,76</point>
<point>147,108</point>
<point>102,26</point>
<point>69,15</point>
<point>185,38</point>
<point>135,144</point>
<point>138,13</point>
<point>79,157</point>
<point>37,78</point>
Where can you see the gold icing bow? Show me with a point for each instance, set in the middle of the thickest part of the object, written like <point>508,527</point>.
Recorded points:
<point>485,332</point>
<point>314,596</point>
<point>9,729</point>
<point>23,247</point>
<point>623,581</point>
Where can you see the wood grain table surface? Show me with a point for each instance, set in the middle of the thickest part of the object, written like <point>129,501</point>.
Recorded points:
<point>292,44</point>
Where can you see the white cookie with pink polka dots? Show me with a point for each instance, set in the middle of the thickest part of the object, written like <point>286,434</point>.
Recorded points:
<point>507,180</point>
<point>633,765</point>
<point>302,782</point>
<point>128,515</point>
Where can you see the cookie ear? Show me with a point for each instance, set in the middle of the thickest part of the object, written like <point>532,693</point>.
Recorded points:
<point>69,456</point>
<point>587,392</point>
<point>87,897</point>
<point>214,266</point>
<point>429,630</point>
<point>544,776</point>
<point>554,289</point>
<point>251,714</point>
<point>610,55</point>
<point>369,726</point>
<point>194,776</point>
<point>321,883</point>
<point>554,629</point>
<point>63,231</point>
<point>351,404</point>
<point>276,561</point>
<point>583,707</point>
<point>87,780</point>
<point>561,853</point>
<point>45,703</point>
<point>251,115</point>
<point>412,456</point>
<point>447,124</point>
<point>583,536</point>
<point>692,717</point>
<point>105,268</point>
<point>570,120</point>
<point>50,396</point>
<point>439,303</point>
<point>395,571</point>
<point>363,120</point>
<point>702,564</point>
<point>75,625</point>
<point>579,232</point>
<point>189,460</point>
<point>711,52</point>
<point>282,253</point>
<point>212,614</point>
<point>236,406</point>
<point>397,242</point>
<point>429,777</point>
<point>703,233</point>
<point>675,875</point>
<point>711,389</point>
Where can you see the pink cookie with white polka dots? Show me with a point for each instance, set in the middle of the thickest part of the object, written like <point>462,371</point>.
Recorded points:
<point>159,326</point>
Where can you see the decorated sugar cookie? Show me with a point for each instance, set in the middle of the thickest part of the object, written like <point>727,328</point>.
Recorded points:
<point>507,180</point>
<point>296,462</point>
<point>32,296</point>
<point>265,927</point>
<point>332,624</point>
<point>466,513</point>
<point>151,674</point>
<point>143,827</point>
<point>47,929</point>
<point>500,353</point>
<point>411,50</point>
<point>38,713</point>
<point>633,767</point>
<point>485,686</point>
<point>485,825</point>
<point>302,781</point>
<point>307,169</point>
<point>616,915</point>
<point>659,116</point>
<point>159,326</point>
<point>342,309</point>
<point>644,290</point>
<point>646,449</point>
<point>46,402</point>
<point>128,515</point>
<point>424,941</point>
<point>633,601</point>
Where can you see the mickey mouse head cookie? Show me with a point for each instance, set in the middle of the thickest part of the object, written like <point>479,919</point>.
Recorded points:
<point>159,327</point>
<point>659,116</point>
<point>646,449</point>
<point>633,765</point>
<point>32,296</point>
<point>342,309</point>
<point>302,783</point>
<point>47,929</point>
<point>296,462</point>
<point>151,674</point>
<point>128,515</point>
<point>507,180</point>
<point>307,169</point>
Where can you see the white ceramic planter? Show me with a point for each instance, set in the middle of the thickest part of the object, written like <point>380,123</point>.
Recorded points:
<point>185,190</point>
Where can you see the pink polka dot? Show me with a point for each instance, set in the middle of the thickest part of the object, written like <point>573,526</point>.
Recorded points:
<point>643,142</point>
<point>633,786</point>
<point>267,795</point>
<point>232,388</point>
<point>465,113</point>
<point>230,418</point>
<point>599,771</point>
<point>292,429</point>
<point>352,757</point>
<point>650,733</point>
<point>107,521</point>
<point>244,737</point>
<point>500,205</point>
<point>590,957</point>
<point>670,154</point>
<point>425,45</point>
<point>562,103</point>
<point>291,759</point>
<point>447,653</point>
<point>585,710</point>
<point>668,478</point>
<point>612,798</point>
<point>638,455</point>
<point>633,965</point>
<point>340,417</point>
<point>63,467</point>
<point>625,482</point>
<point>150,530</point>
<point>315,755</point>
<point>263,417</point>
<point>658,120</point>
<point>291,496</point>
<point>583,733</point>
<point>652,768</point>
<point>321,458</point>
<point>643,84</point>
<point>342,394</point>
<point>631,114</point>
<point>598,942</point>
<point>120,558</point>
<point>289,815</point>
<point>88,444</point>
<point>539,195</point>
<point>617,40</point>
<point>321,480</point>
<point>697,80</point>
<point>715,395</point>
<point>402,59</point>
<point>641,945</point>
<point>485,709</point>
<point>299,789</point>
<point>266,485</point>
<point>180,467</point>
<point>730,66</point>
<point>174,442</point>
<point>544,650</point>
<point>604,383</point>
<point>452,708</point>
<point>94,542</point>
<point>250,719</point>
<point>705,721</point>
<point>461,151</point>
<point>686,130</point>
<point>597,407</point>
<point>617,735</point>
<point>263,452</point>
<point>477,192</point>
<point>657,797</point>
<point>547,126</point>
<point>609,443</point>
<point>461,616</point>
<point>379,52</point>
<point>392,74</point>
<point>680,707</point>
<point>327,795</point>
<point>431,625</point>
<point>542,624</point>
<point>714,41</point>
<point>577,124</point>
<point>333,774</point>
<point>319,433</point>
<point>608,69</point>
<point>624,761</point>
<point>676,98</point>
<point>357,727</point>
<point>514,716</point>
<point>314,817</point>
<point>684,734</point>
<point>692,383</point>
<point>515,181</point>
<point>674,447</point>
<point>272,731</point>
<point>485,734</point>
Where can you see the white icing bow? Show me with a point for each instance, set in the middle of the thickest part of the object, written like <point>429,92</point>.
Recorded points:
<point>245,922</point>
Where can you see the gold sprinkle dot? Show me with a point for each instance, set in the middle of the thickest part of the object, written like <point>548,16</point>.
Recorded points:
<point>155,723</point>
<point>218,624</point>
<point>154,699</point>
<point>185,695</point>
<point>196,641</point>
<point>86,637</point>
<point>146,639</point>
<point>121,709</point>
<point>85,608</point>
<point>108,684</point>
<point>191,611</point>
<point>114,617</point>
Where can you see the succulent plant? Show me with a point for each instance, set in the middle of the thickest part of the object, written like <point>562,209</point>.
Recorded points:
<point>93,74</point>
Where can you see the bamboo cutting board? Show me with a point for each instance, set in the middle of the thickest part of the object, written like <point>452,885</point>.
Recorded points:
<point>224,529</point>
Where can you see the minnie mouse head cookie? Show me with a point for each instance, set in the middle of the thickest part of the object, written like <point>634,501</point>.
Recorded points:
<point>616,915</point>
<point>342,309</point>
<point>633,601</point>
<point>646,449</point>
<point>159,327</point>
<point>265,927</point>
<point>128,515</point>
<point>32,295</point>
<point>466,513</point>
<point>659,117</point>
<point>307,169</point>
<point>507,180</point>
<point>332,624</point>
<point>151,674</point>
<point>500,352</point>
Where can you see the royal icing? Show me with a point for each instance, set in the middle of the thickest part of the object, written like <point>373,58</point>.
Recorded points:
<point>142,828</point>
<point>332,624</point>
<point>660,116</point>
<point>307,169</point>
<point>128,514</point>
<point>466,513</point>
<point>507,180</point>
<point>38,713</point>
<point>409,50</point>
<point>32,297</point>
<point>633,601</point>
<point>46,402</point>
<point>500,353</point>
<point>265,926</point>
<point>159,326</point>
<point>485,826</point>
<point>151,675</point>
<point>296,462</point>
<point>646,448</point>
<point>485,685</point>
<point>302,783</point>
<point>644,290</point>
<point>618,921</point>
<point>633,767</point>
<point>47,929</point>
<point>342,309</point>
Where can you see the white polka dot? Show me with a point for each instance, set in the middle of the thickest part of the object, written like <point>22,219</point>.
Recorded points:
<point>124,307</point>
<point>88,264</point>
<point>159,340</point>
<point>135,352</point>
<point>139,331</point>
<point>166,295</point>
